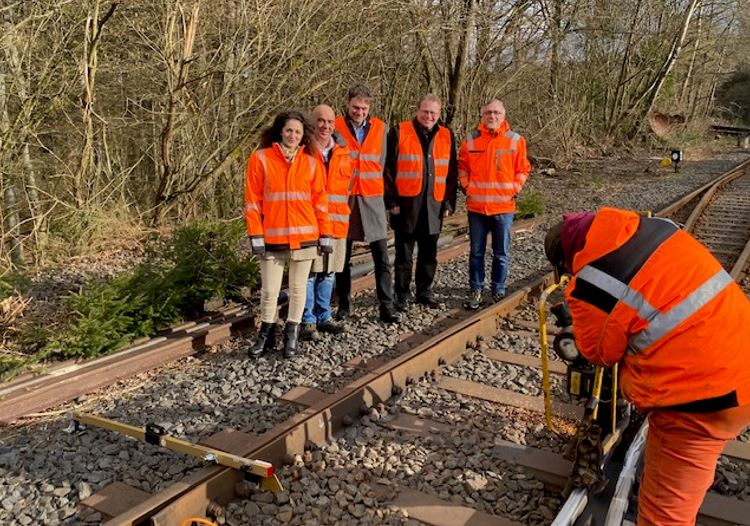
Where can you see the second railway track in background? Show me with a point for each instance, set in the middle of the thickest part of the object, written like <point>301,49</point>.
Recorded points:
<point>423,363</point>
<point>721,221</point>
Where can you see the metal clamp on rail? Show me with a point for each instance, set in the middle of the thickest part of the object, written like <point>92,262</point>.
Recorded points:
<point>153,433</point>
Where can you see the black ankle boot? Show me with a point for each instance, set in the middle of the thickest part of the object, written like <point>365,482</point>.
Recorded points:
<point>266,340</point>
<point>291,336</point>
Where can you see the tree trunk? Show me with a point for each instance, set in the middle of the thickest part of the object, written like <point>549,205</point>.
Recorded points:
<point>177,75</point>
<point>456,70</point>
<point>11,239</point>
<point>653,92</point>
<point>428,64</point>
<point>685,91</point>
<point>619,96</point>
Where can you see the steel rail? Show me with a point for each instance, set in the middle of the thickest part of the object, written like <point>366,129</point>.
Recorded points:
<point>709,193</point>
<point>683,201</point>
<point>320,422</point>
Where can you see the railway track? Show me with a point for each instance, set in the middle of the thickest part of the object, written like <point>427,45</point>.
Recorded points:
<point>372,385</point>
<point>423,364</point>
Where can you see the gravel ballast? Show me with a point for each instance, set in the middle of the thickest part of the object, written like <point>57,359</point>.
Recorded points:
<point>45,472</point>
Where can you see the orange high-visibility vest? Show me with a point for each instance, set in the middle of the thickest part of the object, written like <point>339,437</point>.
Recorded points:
<point>649,295</point>
<point>339,174</point>
<point>492,169</point>
<point>409,162</point>
<point>368,158</point>
<point>285,204</point>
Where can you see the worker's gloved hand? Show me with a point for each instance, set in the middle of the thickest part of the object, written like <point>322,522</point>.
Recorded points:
<point>325,245</point>
<point>565,347</point>
<point>562,313</point>
<point>258,245</point>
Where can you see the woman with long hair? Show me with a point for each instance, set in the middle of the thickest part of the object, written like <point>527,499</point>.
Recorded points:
<point>286,211</point>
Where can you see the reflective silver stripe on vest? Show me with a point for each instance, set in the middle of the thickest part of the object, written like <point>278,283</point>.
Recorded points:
<point>442,162</point>
<point>284,196</point>
<point>353,154</point>
<point>370,175</point>
<point>470,138</point>
<point>408,157</point>
<point>408,175</point>
<point>333,198</point>
<point>665,323</point>
<point>617,289</point>
<point>290,230</point>
<point>490,198</point>
<point>491,185</point>
<point>252,208</point>
<point>498,153</point>
<point>344,218</point>
<point>369,157</point>
<point>514,138</point>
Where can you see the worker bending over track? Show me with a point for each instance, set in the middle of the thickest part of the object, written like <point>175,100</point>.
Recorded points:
<point>648,295</point>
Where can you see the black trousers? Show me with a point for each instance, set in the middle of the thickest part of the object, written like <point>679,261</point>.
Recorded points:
<point>383,283</point>
<point>426,262</point>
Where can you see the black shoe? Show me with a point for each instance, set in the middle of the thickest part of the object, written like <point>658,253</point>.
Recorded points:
<point>475,300</point>
<point>342,314</point>
<point>291,336</point>
<point>497,297</point>
<point>331,327</point>
<point>429,301</point>
<point>402,303</point>
<point>389,315</point>
<point>266,340</point>
<point>309,333</point>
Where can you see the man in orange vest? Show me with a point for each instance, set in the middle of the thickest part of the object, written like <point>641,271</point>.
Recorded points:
<point>365,137</point>
<point>334,155</point>
<point>648,296</point>
<point>421,183</point>
<point>492,169</point>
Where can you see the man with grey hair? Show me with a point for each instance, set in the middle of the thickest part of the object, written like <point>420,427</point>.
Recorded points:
<point>365,137</point>
<point>492,169</point>
<point>421,182</point>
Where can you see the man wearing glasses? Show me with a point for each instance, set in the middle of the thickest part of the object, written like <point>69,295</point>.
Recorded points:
<point>492,169</point>
<point>421,182</point>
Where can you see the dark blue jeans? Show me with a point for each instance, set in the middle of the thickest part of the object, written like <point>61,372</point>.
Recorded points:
<point>318,300</point>
<point>499,226</point>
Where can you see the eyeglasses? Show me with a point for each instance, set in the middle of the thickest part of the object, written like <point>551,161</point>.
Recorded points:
<point>490,112</point>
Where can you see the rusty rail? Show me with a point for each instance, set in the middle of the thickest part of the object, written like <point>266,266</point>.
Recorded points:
<point>318,423</point>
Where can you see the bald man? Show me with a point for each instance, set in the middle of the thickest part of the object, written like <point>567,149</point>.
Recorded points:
<point>334,155</point>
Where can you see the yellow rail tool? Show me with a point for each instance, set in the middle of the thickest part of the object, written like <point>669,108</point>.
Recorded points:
<point>255,470</point>
<point>544,345</point>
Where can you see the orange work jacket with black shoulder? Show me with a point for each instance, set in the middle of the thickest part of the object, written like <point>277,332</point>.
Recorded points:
<point>648,295</point>
<point>285,203</point>
<point>410,161</point>
<point>368,158</point>
<point>492,169</point>
<point>338,176</point>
